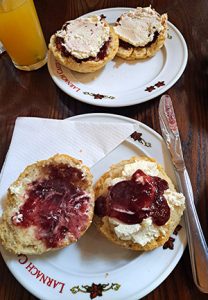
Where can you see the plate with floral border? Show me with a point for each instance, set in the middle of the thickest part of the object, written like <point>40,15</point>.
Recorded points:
<point>125,83</point>
<point>95,268</point>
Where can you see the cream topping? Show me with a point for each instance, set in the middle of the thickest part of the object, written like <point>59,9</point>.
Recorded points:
<point>146,231</point>
<point>138,26</point>
<point>149,167</point>
<point>83,37</point>
<point>142,233</point>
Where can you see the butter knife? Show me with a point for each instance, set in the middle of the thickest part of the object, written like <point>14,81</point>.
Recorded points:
<point>197,245</point>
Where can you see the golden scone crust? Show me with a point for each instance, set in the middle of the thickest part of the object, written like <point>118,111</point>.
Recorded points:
<point>107,229</point>
<point>134,53</point>
<point>88,66</point>
<point>18,239</point>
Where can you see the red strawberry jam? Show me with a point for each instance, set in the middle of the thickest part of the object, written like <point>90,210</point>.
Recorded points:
<point>57,205</point>
<point>131,201</point>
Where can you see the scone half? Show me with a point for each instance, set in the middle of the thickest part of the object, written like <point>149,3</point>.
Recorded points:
<point>85,44</point>
<point>48,207</point>
<point>136,205</point>
<point>142,33</point>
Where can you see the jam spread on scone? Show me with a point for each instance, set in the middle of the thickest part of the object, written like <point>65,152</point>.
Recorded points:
<point>131,201</point>
<point>56,204</point>
<point>138,28</point>
<point>84,39</point>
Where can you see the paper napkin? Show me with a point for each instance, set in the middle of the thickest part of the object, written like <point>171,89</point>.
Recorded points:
<point>37,139</point>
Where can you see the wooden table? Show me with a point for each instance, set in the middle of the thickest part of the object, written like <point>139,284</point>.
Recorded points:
<point>35,94</point>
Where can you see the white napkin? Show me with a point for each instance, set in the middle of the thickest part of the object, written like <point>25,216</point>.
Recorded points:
<point>36,139</point>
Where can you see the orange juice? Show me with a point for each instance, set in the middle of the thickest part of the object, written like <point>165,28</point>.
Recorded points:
<point>21,34</point>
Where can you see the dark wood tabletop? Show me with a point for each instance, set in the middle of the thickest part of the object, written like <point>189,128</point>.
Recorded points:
<point>35,94</point>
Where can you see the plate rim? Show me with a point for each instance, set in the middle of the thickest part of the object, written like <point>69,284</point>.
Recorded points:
<point>177,255</point>
<point>157,93</point>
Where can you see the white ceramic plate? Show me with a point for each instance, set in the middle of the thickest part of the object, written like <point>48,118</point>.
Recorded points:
<point>124,83</point>
<point>118,273</point>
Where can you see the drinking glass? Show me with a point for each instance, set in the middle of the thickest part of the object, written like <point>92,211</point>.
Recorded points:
<point>1,48</point>
<point>21,34</point>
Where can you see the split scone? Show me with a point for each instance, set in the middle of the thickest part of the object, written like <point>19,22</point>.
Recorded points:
<point>85,44</point>
<point>48,207</point>
<point>142,32</point>
<point>136,205</point>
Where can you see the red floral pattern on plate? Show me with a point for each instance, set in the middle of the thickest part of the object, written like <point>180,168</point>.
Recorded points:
<point>95,290</point>
<point>153,87</point>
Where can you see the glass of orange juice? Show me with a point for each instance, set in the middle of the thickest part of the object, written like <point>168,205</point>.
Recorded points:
<point>21,34</point>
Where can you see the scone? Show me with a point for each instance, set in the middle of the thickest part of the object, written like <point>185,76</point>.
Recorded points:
<point>142,32</point>
<point>136,205</point>
<point>48,207</point>
<point>85,44</point>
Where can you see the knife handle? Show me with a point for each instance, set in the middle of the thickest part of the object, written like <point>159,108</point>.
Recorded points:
<point>197,245</point>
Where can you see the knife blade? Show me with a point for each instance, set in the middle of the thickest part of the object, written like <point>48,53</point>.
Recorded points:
<point>197,245</point>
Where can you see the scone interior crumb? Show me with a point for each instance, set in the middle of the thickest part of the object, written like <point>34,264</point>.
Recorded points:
<point>48,207</point>
<point>142,32</point>
<point>85,44</point>
<point>119,226</point>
